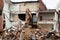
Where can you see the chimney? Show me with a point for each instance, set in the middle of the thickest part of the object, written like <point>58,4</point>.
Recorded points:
<point>42,5</point>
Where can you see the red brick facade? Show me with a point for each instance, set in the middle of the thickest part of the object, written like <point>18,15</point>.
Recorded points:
<point>42,5</point>
<point>1,21</point>
<point>1,4</point>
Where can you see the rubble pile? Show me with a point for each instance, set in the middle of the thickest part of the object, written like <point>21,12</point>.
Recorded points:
<point>31,34</point>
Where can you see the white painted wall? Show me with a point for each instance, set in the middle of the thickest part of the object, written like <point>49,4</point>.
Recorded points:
<point>6,11</point>
<point>14,7</point>
<point>56,25</point>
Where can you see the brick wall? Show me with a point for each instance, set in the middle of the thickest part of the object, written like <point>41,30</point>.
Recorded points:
<point>1,4</point>
<point>1,23</point>
<point>42,5</point>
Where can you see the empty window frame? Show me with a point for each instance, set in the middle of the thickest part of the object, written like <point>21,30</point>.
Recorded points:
<point>40,18</point>
<point>22,16</point>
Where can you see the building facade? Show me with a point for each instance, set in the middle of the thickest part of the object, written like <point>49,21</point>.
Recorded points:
<point>14,11</point>
<point>48,19</point>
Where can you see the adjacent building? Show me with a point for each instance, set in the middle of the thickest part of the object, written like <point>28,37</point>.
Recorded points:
<point>48,19</point>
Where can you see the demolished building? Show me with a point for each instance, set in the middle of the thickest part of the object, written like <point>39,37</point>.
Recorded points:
<point>17,11</point>
<point>15,8</point>
<point>14,14</point>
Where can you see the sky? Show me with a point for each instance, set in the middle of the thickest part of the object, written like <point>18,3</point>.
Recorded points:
<point>50,4</point>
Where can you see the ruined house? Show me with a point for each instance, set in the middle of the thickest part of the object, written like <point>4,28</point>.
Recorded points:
<point>14,11</point>
<point>38,5</point>
<point>23,6</point>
